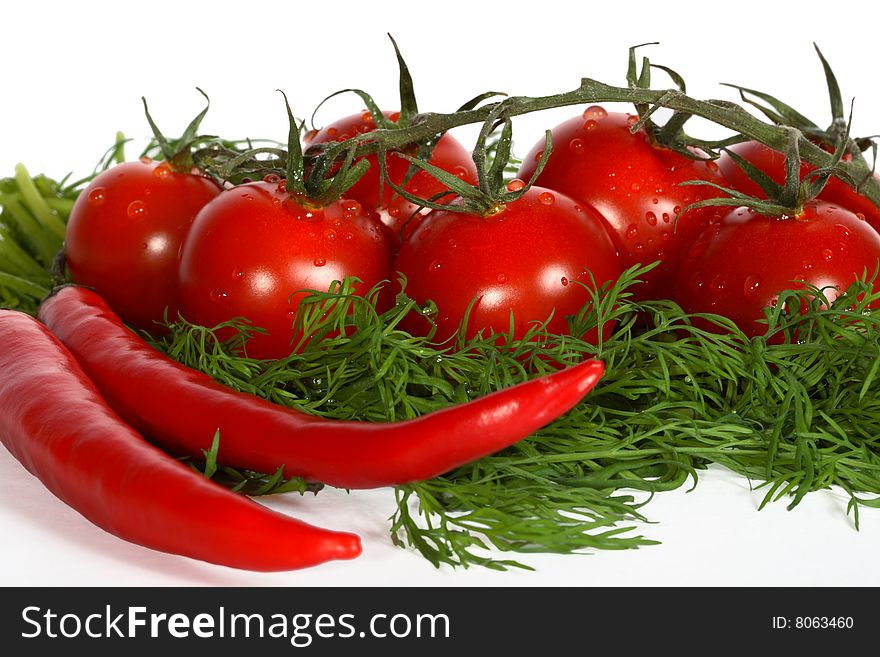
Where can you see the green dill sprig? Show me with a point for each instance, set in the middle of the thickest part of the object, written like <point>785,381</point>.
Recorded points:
<point>794,415</point>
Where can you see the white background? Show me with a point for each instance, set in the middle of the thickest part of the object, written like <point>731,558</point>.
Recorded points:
<point>73,74</point>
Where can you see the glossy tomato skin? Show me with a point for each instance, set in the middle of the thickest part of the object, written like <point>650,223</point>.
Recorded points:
<point>634,185</point>
<point>529,258</point>
<point>773,164</point>
<point>738,267</point>
<point>125,233</point>
<point>254,250</point>
<point>395,212</point>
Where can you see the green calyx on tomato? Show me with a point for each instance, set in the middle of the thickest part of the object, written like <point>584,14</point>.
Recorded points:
<point>178,152</point>
<point>504,258</point>
<point>791,239</point>
<point>376,189</point>
<point>300,236</point>
<point>128,225</point>
<point>750,166</point>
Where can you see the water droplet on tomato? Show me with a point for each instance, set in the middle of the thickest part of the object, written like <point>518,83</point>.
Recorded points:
<point>665,218</point>
<point>697,282</point>
<point>351,208</point>
<point>590,125</point>
<point>320,262</point>
<point>146,159</point>
<point>639,247</point>
<point>218,295</point>
<point>712,165</point>
<point>632,232</point>
<point>676,209</point>
<point>162,171</point>
<point>271,178</point>
<point>827,254</point>
<point>137,210</point>
<point>860,216</point>
<point>435,265</point>
<point>635,187</point>
<point>459,171</point>
<point>237,274</point>
<point>515,185</point>
<point>502,278</point>
<point>751,285</point>
<point>717,284</point>
<point>330,234</point>
<point>664,235</point>
<point>578,208</point>
<point>564,281</point>
<point>632,120</point>
<point>394,211</point>
<point>97,195</point>
<point>808,265</point>
<point>367,117</point>
<point>539,155</point>
<point>651,218</point>
<point>347,235</point>
<point>248,197</point>
<point>546,198</point>
<point>595,112</point>
<point>332,132</point>
<point>844,231</point>
<point>576,145</point>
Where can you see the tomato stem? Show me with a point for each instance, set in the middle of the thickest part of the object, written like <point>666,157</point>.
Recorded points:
<point>724,113</point>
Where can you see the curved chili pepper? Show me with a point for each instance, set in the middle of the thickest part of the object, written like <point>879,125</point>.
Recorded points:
<point>181,409</point>
<point>55,422</point>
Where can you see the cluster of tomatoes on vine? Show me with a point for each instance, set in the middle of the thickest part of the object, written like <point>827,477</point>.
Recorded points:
<point>598,195</point>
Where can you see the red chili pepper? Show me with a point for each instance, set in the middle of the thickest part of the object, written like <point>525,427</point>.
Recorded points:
<point>181,409</point>
<point>55,422</point>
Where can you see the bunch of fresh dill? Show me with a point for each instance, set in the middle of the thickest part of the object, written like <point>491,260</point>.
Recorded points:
<point>795,411</point>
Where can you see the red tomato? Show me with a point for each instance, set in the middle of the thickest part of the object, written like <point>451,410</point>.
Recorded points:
<point>125,232</point>
<point>633,184</point>
<point>392,209</point>
<point>528,259</point>
<point>773,164</point>
<point>254,250</point>
<point>738,267</point>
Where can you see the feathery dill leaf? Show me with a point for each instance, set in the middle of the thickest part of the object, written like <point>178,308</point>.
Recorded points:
<point>793,416</point>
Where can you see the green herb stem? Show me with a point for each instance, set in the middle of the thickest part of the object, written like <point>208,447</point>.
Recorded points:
<point>37,204</point>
